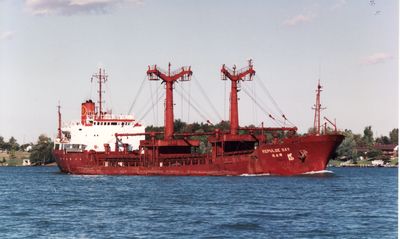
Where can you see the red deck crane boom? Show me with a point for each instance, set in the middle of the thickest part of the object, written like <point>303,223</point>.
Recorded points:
<point>234,76</point>
<point>182,74</point>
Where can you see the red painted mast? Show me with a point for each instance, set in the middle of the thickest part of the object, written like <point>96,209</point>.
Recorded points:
<point>59,135</point>
<point>183,74</point>
<point>317,110</point>
<point>234,76</point>
<point>101,78</point>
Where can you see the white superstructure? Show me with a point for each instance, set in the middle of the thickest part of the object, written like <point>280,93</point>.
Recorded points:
<point>93,137</point>
<point>97,128</point>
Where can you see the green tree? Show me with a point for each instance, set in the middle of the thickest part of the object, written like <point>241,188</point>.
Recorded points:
<point>374,154</point>
<point>223,125</point>
<point>347,149</point>
<point>42,151</point>
<point>358,139</point>
<point>23,147</point>
<point>394,136</point>
<point>13,144</point>
<point>383,140</point>
<point>311,130</point>
<point>179,126</point>
<point>2,143</point>
<point>368,137</point>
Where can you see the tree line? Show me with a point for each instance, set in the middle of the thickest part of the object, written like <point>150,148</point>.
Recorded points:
<point>349,149</point>
<point>40,152</point>
<point>11,145</point>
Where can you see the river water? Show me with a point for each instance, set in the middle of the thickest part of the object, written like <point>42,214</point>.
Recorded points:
<point>40,202</point>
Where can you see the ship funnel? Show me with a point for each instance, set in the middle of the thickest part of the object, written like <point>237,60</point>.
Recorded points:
<point>87,112</point>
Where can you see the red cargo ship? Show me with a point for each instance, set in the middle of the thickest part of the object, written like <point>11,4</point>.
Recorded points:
<point>239,151</point>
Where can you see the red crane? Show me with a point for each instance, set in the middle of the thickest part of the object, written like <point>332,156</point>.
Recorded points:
<point>234,76</point>
<point>169,78</point>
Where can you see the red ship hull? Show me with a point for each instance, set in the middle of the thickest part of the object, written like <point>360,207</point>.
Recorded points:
<point>293,156</point>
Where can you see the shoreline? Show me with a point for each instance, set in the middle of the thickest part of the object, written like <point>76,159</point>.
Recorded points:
<point>362,166</point>
<point>329,166</point>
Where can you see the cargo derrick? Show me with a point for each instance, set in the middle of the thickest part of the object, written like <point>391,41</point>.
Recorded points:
<point>168,150</point>
<point>235,77</point>
<point>233,143</point>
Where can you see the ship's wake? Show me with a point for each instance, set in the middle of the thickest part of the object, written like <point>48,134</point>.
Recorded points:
<point>319,173</point>
<point>254,175</point>
<point>311,173</point>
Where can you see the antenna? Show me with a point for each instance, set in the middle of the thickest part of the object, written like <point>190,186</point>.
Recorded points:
<point>101,79</point>
<point>59,134</point>
<point>317,110</point>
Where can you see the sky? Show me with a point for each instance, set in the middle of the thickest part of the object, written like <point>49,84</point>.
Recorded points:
<point>49,50</point>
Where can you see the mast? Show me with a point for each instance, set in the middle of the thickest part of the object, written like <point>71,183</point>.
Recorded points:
<point>101,79</point>
<point>182,74</point>
<point>59,134</point>
<point>234,76</point>
<point>317,110</point>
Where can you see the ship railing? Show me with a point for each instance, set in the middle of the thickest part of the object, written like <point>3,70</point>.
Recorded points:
<point>177,71</point>
<point>183,68</point>
<point>236,152</point>
<point>236,72</point>
<point>74,150</point>
<point>69,148</point>
<point>193,159</point>
<point>118,117</point>
<point>71,123</point>
<point>155,67</point>
<point>269,129</point>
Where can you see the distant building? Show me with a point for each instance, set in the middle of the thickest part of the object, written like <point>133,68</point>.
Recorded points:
<point>389,150</point>
<point>362,150</point>
<point>377,162</point>
<point>26,162</point>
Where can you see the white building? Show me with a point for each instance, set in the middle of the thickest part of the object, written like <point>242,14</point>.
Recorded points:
<point>26,162</point>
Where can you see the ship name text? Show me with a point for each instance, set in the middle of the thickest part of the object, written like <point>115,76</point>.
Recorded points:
<point>275,150</point>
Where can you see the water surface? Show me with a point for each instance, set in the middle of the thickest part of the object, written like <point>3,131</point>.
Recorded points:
<point>40,202</point>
